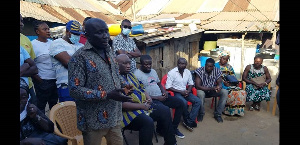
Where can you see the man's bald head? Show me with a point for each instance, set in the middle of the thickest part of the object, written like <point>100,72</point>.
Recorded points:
<point>96,32</point>
<point>124,63</point>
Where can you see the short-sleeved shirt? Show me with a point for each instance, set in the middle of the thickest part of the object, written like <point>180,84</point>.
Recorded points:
<point>43,59</point>
<point>26,44</point>
<point>57,46</point>
<point>206,79</point>
<point>23,56</point>
<point>178,82</point>
<point>128,44</point>
<point>150,81</point>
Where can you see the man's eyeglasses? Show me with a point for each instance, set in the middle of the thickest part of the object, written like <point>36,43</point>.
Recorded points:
<point>125,26</point>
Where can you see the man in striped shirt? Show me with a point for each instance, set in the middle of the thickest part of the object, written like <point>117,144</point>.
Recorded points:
<point>208,83</point>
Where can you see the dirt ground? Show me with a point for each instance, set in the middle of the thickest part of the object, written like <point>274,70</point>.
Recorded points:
<point>255,127</point>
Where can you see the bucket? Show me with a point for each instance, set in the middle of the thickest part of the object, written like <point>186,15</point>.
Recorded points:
<point>202,60</point>
<point>209,45</point>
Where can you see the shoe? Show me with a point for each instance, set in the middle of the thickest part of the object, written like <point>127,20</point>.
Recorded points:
<point>256,107</point>
<point>200,118</point>
<point>188,126</point>
<point>179,134</point>
<point>219,118</point>
<point>251,108</point>
<point>194,124</point>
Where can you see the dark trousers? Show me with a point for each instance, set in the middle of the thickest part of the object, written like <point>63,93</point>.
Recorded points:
<point>144,124</point>
<point>175,103</point>
<point>46,92</point>
<point>162,115</point>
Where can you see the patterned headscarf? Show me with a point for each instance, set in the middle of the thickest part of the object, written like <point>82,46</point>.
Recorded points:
<point>224,53</point>
<point>24,86</point>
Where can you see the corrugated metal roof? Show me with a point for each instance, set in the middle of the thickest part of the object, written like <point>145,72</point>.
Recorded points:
<point>74,14</point>
<point>183,16</point>
<point>202,16</point>
<point>63,13</point>
<point>37,1</point>
<point>139,4</point>
<point>245,16</point>
<point>182,6</point>
<point>165,16</point>
<point>125,5</point>
<point>239,26</point>
<point>34,10</point>
<point>53,12</point>
<point>153,7</point>
<point>212,6</point>
<point>108,7</point>
<point>105,18</point>
<point>262,5</point>
<point>236,5</point>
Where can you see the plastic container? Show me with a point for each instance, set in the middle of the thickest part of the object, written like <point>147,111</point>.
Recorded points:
<point>209,45</point>
<point>138,29</point>
<point>202,60</point>
<point>114,29</point>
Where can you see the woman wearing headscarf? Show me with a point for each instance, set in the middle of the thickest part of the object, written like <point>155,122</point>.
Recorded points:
<point>236,100</point>
<point>257,78</point>
<point>35,127</point>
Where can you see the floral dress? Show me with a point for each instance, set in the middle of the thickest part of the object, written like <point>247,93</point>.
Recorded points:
<point>256,95</point>
<point>235,104</point>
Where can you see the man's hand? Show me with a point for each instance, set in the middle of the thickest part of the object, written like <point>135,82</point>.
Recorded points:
<point>117,96</point>
<point>226,83</point>
<point>162,98</point>
<point>31,111</point>
<point>218,89</point>
<point>32,141</point>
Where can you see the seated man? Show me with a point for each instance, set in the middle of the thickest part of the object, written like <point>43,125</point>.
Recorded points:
<point>137,114</point>
<point>177,81</point>
<point>156,91</point>
<point>35,126</point>
<point>205,84</point>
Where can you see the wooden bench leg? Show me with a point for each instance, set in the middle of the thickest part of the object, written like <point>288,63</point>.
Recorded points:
<point>268,106</point>
<point>274,106</point>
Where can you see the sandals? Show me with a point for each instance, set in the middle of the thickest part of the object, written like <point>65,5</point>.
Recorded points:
<point>251,108</point>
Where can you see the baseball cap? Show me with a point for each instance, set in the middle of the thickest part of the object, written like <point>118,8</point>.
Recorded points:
<point>74,27</point>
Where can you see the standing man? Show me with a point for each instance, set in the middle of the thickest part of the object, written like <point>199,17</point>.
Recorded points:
<point>122,44</point>
<point>158,94</point>
<point>82,36</point>
<point>205,81</point>
<point>26,44</point>
<point>94,83</point>
<point>61,50</point>
<point>177,81</point>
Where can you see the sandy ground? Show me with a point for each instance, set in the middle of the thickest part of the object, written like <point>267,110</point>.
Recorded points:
<point>255,127</point>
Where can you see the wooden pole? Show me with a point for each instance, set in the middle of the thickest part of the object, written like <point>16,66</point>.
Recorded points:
<point>242,55</point>
<point>133,4</point>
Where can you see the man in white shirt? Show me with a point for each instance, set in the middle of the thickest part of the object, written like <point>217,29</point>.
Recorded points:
<point>177,81</point>
<point>61,51</point>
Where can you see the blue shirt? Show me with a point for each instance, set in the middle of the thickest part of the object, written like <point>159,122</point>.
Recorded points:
<point>23,56</point>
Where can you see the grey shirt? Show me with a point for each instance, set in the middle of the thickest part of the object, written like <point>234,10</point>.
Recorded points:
<point>150,81</point>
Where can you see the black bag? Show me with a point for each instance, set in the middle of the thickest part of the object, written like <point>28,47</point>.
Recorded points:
<point>231,79</point>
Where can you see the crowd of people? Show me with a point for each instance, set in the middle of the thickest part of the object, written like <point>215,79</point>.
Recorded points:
<point>111,93</point>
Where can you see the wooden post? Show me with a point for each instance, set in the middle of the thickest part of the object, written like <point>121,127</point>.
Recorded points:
<point>242,56</point>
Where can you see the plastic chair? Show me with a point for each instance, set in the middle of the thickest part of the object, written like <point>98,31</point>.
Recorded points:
<point>275,102</point>
<point>64,116</point>
<point>163,83</point>
<point>268,102</point>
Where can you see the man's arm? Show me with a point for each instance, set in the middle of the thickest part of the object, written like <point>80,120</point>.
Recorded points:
<point>63,58</point>
<point>28,69</point>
